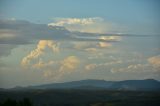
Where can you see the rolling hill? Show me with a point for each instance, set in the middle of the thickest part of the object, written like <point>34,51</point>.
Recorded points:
<point>147,85</point>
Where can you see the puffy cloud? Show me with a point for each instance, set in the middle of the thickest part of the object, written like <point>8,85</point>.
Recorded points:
<point>40,50</point>
<point>155,62</point>
<point>42,64</point>
<point>104,44</point>
<point>56,70</point>
<point>50,43</point>
<point>51,69</point>
<point>90,66</point>
<point>18,32</point>
<point>70,64</point>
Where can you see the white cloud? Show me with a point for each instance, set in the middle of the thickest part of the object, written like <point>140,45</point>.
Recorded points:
<point>57,70</point>
<point>138,68</point>
<point>91,25</point>
<point>52,69</point>
<point>94,47</point>
<point>155,62</point>
<point>90,67</point>
<point>42,44</point>
<point>104,44</point>
<point>70,64</point>
<point>73,21</point>
<point>41,64</point>
<point>110,38</point>
<point>91,50</point>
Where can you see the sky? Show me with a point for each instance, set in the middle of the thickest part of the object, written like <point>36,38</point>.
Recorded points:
<point>66,40</point>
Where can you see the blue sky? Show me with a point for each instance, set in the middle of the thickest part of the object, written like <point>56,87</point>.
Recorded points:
<point>126,12</point>
<point>65,40</point>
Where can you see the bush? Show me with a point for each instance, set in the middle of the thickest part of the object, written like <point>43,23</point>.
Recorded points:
<point>11,102</point>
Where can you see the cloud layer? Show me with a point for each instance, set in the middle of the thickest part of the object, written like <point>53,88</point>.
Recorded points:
<point>57,52</point>
<point>20,32</point>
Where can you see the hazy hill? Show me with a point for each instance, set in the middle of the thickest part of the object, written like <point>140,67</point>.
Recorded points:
<point>147,84</point>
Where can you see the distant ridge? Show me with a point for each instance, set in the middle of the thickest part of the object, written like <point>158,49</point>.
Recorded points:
<point>92,84</point>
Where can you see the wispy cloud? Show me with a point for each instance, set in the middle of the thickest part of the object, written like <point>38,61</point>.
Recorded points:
<point>110,64</point>
<point>132,68</point>
<point>152,64</point>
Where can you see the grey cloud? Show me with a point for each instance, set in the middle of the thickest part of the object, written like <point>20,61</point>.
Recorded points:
<point>26,32</point>
<point>17,32</point>
<point>5,49</point>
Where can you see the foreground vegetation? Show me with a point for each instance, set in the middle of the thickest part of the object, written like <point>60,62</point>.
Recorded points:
<point>79,98</point>
<point>12,102</point>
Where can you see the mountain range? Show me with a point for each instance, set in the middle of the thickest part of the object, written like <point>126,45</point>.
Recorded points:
<point>90,84</point>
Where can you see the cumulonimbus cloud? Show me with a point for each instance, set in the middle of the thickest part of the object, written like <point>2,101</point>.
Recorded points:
<point>52,68</point>
<point>42,44</point>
